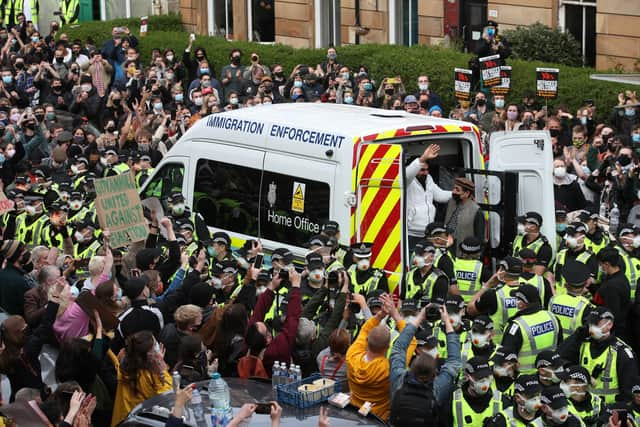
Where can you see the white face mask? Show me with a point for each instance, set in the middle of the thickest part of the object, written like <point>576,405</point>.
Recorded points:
<point>78,236</point>
<point>363,264</point>
<point>456,320</point>
<point>217,283</point>
<point>636,241</point>
<point>574,242</point>
<point>597,332</point>
<point>560,172</point>
<point>75,169</point>
<point>316,275</point>
<point>521,229</point>
<point>104,161</point>
<point>532,405</point>
<point>30,210</point>
<point>559,416</point>
<point>480,340</point>
<point>85,87</point>
<point>10,153</point>
<point>481,386</point>
<point>75,204</point>
<point>178,209</point>
<point>501,371</point>
<point>423,86</point>
<point>419,261</point>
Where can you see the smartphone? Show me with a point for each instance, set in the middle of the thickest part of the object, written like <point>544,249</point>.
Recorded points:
<point>257,263</point>
<point>263,408</point>
<point>622,416</point>
<point>393,80</point>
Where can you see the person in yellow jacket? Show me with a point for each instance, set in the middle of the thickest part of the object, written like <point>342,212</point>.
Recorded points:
<point>367,363</point>
<point>69,11</point>
<point>141,372</point>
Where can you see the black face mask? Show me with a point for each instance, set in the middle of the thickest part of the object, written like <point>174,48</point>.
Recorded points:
<point>388,91</point>
<point>59,59</point>
<point>424,104</point>
<point>30,126</point>
<point>279,74</point>
<point>235,60</point>
<point>554,133</point>
<point>624,160</point>
<point>19,66</point>
<point>481,102</point>
<point>40,117</point>
<point>456,197</point>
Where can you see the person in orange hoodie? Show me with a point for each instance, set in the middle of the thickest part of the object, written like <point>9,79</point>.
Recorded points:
<point>367,362</point>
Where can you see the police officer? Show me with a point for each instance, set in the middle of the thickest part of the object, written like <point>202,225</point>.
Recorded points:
<point>29,228</point>
<point>505,370</point>
<point>78,212</point>
<point>575,384</point>
<point>438,236</point>
<point>42,184</point>
<point>9,219</point>
<point>469,270</point>
<point>529,276</point>
<point>363,277</point>
<point>141,166</point>
<point>56,233</point>
<point>177,207</point>
<point>324,246</point>
<point>555,409</point>
<point>314,277</point>
<point>114,164</point>
<point>572,308</point>
<point>482,334</point>
<point>475,400</point>
<point>79,169</point>
<point>550,368</point>
<point>219,248</point>
<point>281,261</point>
<point>596,239</point>
<point>576,250</point>
<point>494,298</point>
<point>86,244</point>
<point>634,406</point>
<point>628,244</point>
<point>185,229</point>
<point>454,304</point>
<point>224,280</point>
<point>424,280</point>
<point>532,330</point>
<point>610,362</point>
<point>526,405</point>
<point>614,292</point>
<point>69,11</point>
<point>529,236</point>
<point>331,229</point>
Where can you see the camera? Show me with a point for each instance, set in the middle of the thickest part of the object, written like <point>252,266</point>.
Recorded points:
<point>284,274</point>
<point>433,312</point>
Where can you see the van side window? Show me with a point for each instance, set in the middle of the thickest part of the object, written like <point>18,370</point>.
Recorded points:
<point>168,180</point>
<point>227,196</point>
<point>293,209</point>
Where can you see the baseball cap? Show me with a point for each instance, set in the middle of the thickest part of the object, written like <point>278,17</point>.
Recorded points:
<point>409,306</point>
<point>454,302</point>
<point>410,99</point>
<point>224,267</point>
<point>373,298</point>
<point>134,286</point>
<point>580,374</point>
<point>526,293</point>
<point>549,359</point>
<point>527,384</point>
<point>587,214</point>
<point>330,228</point>
<point>478,367</point>
<point>145,257</point>
<point>554,397</point>
<point>314,261</point>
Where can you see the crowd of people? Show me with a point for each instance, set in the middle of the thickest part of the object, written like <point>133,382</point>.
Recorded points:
<point>544,340</point>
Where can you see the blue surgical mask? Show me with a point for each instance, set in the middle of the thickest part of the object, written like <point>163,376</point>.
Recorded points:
<point>348,100</point>
<point>212,251</point>
<point>583,120</point>
<point>179,97</point>
<point>35,39</point>
<point>635,137</point>
<point>119,294</point>
<point>157,106</point>
<point>297,83</point>
<point>499,103</point>
<point>629,112</point>
<point>586,170</point>
<point>1,158</point>
<point>204,71</point>
<point>491,32</point>
<point>295,96</point>
<point>561,228</point>
<point>7,79</point>
<point>368,86</point>
<point>156,347</point>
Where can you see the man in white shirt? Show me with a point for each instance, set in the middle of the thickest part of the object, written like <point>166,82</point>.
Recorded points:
<point>422,191</point>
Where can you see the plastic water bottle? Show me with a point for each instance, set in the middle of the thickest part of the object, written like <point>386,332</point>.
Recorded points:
<point>175,376</point>
<point>298,373</point>
<point>275,375</point>
<point>614,219</point>
<point>291,377</point>
<point>196,405</point>
<point>220,400</point>
<point>603,210</point>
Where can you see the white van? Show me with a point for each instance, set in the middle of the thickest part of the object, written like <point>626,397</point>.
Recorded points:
<point>278,172</point>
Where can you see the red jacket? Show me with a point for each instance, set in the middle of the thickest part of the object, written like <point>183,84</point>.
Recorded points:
<point>282,345</point>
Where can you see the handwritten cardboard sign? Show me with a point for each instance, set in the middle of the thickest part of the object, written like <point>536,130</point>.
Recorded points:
<point>119,210</point>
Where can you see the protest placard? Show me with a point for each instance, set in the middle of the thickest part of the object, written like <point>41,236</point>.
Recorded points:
<point>6,205</point>
<point>119,210</point>
<point>462,83</point>
<point>490,70</point>
<point>547,82</point>
<point>505,81</point>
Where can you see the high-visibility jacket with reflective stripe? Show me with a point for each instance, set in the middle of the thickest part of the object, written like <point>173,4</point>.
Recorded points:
<point>540,331</point>
<point>606,384</point>
<point>468,276</point>
<point>569,310</point>
<point>589,416</point>
<point>426,288</point>
<point>538,282</point>
<point>583,258</point>
<point>535,246</point>
<point>18,8</point>
<point>512,421</point>
<point>507,307</point>
<point>369,285</point>
<point>631,270</point>
<point>465,416</point>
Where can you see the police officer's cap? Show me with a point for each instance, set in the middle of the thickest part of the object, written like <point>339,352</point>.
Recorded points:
<point>224,266</point>
<point>33,197</point>
<point>528,256</point>
<point>185,225</point>
<point>626,229</point>
<point>577,373</point>
<point>527,294</point>
<point>435,228</point>
<point>89,178</point>
<point>576,227</point>
<point>422,247</point>
<point>527,384</point>
<point>482,324</point>
<point>471,245</point>
<point>264,276</point>
<point>575,273</point>
<point>454,302</point>
<point>21,179</point>
<point>511,265</point>
<point>221,238</point>
<point>561,214</point>
<point>145,158</point>
<point>330,228</point>
<point>282,254</point>
<point>85,223</point>
<point>314,261</point>
<point>111,152</point>
<point>76,195</point>
<point>135,156</point>
<point>320,240</point>
<point>65,186</point>
<point>598,313</point>
<point>504,354</point>
<point>176,197</point>
<point>409,306</point>
<point>478,367</point>
<point>39,173</point>
<point>58,206</point>
<point>554,397</point>
<point>181,240</point>
<point>635,388</point>
<point>424,336</point>
<point>588,214</point>
<point>15,194</point>
<point>373,298</point>
<point>533,218</point>
<point>65,136</point>
<point>362,249</point>
<point>81,159</point>
<point>549,359</point>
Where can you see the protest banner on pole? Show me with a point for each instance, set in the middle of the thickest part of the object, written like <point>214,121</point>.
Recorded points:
<point>119,210</point>
<point>505,81</point>
<point>490,70</point>
<point>462,83</point>
<point>547,82</point>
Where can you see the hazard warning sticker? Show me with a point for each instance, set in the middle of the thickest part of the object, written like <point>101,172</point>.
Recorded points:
<point>297,200</point>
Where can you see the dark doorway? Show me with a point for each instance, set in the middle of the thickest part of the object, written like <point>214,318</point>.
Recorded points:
<point>580,21</point>
<point>263,21</point>
<point>410,22</point>
<point>473,17</point>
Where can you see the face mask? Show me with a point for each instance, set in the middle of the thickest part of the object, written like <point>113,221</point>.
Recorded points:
<point>178,209</point>
<point>584,120</point>
<point>104,161</point>
<point>75,169</point>
<point>169,58</point>
<point>561,227</point>
<point>118,294</point>
<point>332,56</point>
<point>86,88</point>
<point>131,58</point>
<point>629,112</point>
<point>501,371</point>
<point>433,352</point>
<point>574,242</point>
<point>75,204</point>
<point>481,386</point>
<point>7,79</point>
<point>212,251</point>
<point>481,102</point>
<point>266,103</point>
<point>578,143</point>
<point>532,405</point>
<point>419,261</point>
<point>10,153</point>
<point>217,283</point>
<point>512,115</point>
<point>345,76</point>
<point>499,103</point>
<point>348,100</point>
<point>456,320</point>
<point>423,86</point>
<point>586,170</point>
<point>363,265</point>
<point>560,172</point>
<point>597,333</point>
<point>521,229</point>
<point>157,106</point>
<point>1,158</point>
<point>388,91</point>
<point>179,97</point>
<point>78,236</point>
<point>197,101</point>
<point>297,83</point>
<point>559,416</point>
<point>235,60</point>
<point>30,210</point>
<point>368,86</point>
<point>636,241</point>
<point>635,137</point>
<point>491,32</point>
<point>233,101</point>
<point>316,275</point>
<point>156,347</point>
<point>480,340</point>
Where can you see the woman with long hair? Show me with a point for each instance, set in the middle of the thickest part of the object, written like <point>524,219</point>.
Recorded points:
<point>142,374</point>
<point>229,345</point>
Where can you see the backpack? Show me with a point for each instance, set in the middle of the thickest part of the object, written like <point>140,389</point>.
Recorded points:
<point>414,405</point>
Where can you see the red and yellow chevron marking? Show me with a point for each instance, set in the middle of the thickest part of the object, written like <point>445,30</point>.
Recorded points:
<point>376,170</point>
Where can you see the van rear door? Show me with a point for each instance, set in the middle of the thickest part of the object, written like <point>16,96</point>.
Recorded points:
<point>380,206</point>
<point>529,153</point>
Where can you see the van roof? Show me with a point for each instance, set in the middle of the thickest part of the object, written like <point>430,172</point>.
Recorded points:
<point>348,120</point>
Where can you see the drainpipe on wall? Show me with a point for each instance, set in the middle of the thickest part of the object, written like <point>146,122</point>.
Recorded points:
<point>359,29</point>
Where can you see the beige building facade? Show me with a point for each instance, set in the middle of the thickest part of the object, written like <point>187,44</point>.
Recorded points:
<point>607,30</point>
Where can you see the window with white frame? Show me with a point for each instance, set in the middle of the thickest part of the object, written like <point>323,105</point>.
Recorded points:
<point>327,23</point>
<point>578,17</point>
